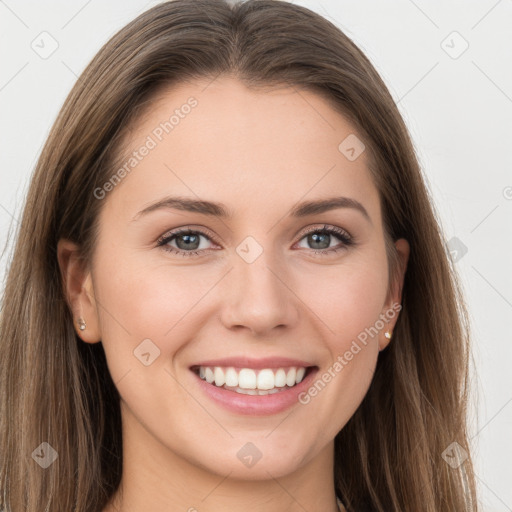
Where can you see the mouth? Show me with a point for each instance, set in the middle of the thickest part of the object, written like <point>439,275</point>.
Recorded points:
<point>253,381</point>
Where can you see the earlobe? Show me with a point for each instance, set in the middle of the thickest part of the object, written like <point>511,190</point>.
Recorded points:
<point>388,334</point>
<point>79,291</point>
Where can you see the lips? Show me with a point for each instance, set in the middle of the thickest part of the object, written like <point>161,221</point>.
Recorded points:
<point>247,376</point>
<point>266,401</point>
<point>255,364</point>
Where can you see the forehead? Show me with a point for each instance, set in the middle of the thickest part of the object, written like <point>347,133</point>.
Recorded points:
<point>208,139</point>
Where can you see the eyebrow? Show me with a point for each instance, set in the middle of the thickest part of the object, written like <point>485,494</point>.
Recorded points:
<point>215,209</point>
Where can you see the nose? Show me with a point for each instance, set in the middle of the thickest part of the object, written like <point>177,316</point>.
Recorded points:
<point>258,296</point>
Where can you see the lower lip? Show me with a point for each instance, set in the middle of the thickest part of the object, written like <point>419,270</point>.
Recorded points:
<point>256,404</point>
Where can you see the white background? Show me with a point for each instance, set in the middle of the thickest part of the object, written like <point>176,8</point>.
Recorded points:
<point>459,112</point>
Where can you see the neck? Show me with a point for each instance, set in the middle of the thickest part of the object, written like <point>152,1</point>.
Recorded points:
<point>158,479</point>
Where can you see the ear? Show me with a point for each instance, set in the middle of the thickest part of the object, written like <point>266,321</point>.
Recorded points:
<point>78,290</point>
<point>391,308</point>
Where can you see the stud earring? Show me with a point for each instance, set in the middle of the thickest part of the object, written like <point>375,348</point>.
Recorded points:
<point>387,334</point>
<point>81,324</point>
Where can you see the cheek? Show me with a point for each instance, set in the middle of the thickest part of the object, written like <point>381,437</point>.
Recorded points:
<point>350,304</point>
<point>142,299</point>
<point>347,298</point>
<point>145,310</point>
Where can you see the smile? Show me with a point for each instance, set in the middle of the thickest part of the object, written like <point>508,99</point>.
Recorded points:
<point>249,381</point>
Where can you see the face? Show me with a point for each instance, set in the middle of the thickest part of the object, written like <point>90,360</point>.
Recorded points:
<point>284,300</point>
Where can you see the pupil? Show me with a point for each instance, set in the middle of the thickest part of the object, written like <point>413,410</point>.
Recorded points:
<point>188,242</point>
<point>314,239</point>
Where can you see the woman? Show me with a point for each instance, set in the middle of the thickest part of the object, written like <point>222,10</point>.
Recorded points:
<point>230,288</point>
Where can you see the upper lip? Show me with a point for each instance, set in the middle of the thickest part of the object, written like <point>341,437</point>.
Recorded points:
<point>247,362</point>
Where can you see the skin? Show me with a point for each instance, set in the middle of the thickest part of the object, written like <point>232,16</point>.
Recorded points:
<point>259,153</point>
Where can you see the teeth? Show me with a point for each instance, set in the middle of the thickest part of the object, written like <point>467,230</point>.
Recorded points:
<point>219,377</point>
<point>280,378</point>
<point>265,380</point>
<point>208,375</point>
<point>246,378</point>
<point>253,391</point>
<point>290,377</point>
<point>252,382</point>
<point>231,377</point>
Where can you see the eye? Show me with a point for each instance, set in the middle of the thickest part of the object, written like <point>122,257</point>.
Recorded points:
<point>188,241</point>
<point>320,239</point>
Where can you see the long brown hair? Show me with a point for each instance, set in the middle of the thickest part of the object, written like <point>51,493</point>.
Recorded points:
<point>57,389</point>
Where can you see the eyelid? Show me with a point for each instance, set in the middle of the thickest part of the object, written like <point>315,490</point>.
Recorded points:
<point>191,227</point>
<point>323,226</point>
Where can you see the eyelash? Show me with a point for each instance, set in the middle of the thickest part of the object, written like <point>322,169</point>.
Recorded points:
<point>346,239</point>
